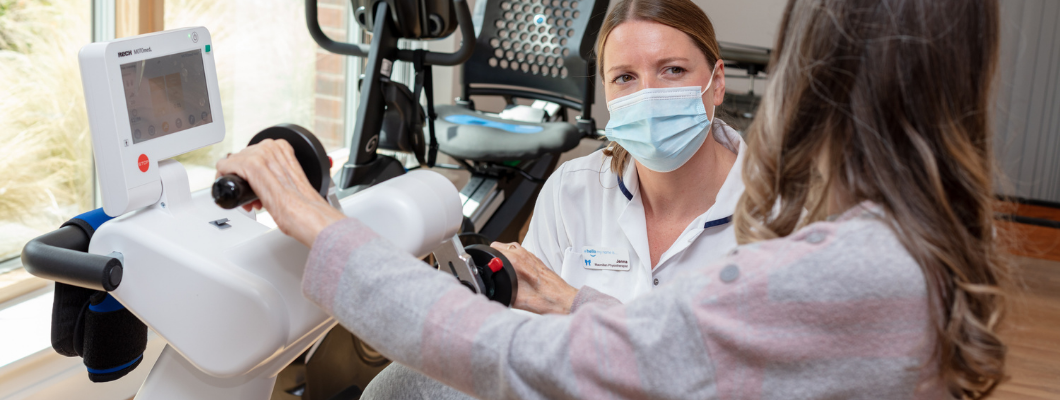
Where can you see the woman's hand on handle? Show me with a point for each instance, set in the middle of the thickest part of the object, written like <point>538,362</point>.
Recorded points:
<point>282,188</point>
<point>541,291</point>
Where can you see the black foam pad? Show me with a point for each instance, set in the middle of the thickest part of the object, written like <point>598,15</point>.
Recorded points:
<point>69,302</point>
<point>114,339</point>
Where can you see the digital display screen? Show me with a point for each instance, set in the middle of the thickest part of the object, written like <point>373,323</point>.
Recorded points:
<point>166,95</point>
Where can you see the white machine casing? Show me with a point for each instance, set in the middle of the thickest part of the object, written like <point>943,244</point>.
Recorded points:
<point>124,187</point>
<point>229,301</point>
<point>222,288</point>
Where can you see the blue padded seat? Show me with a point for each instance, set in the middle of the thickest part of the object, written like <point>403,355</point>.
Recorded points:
<point>475,136</point>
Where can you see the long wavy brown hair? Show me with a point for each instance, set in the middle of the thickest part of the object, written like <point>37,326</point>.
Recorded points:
<point>683,15</point>
<point>888,101</point>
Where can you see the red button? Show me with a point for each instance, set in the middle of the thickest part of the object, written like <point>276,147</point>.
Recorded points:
<point>143,163</point>
<point>495,264</point>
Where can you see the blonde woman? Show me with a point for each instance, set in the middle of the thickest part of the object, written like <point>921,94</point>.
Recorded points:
<point>869,265</point>
<point>659,200</point>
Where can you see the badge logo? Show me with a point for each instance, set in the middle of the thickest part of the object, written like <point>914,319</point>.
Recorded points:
<point>603,258</point>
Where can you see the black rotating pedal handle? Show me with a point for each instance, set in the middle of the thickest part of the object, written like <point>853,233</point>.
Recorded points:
<point>497,273</point>
<point>231,191</point>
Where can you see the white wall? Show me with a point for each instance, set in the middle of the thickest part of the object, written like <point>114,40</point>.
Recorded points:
<point>1027,113</point>
<point>750,22</point>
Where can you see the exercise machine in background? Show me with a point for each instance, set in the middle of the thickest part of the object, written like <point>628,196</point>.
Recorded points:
<point>535,50</point>
<point>739,109</point>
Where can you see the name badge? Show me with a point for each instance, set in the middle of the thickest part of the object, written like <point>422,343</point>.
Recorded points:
<point>604,258</point>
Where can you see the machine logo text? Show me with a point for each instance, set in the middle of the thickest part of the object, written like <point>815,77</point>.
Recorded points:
<point>134,51</point>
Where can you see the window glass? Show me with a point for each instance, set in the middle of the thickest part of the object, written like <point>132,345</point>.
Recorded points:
<point>269,69</point>
<point>45,149</point>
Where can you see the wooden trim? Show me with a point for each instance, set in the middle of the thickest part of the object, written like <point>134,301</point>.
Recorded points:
<point>17,283</point>
<point>1030,240</point>
<point>1048,223</point>
<point>137,17</point>
<point>1036,211</point>
<point>126,18</point>
<point>152,17</point>
<point>1031,202</point>
<point>1027,213</point>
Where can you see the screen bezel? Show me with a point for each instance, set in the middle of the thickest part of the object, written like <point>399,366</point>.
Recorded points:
<point>168,146</point>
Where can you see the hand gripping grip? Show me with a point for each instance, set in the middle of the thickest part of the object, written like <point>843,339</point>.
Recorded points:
<point>231,191</point>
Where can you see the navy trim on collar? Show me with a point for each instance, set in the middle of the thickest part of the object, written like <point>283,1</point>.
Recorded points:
<point>622,187</point>
<point>709,224</point>
<point>717,222</point>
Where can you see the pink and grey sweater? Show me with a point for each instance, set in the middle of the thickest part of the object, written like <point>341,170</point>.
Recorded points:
<point>835,310</point>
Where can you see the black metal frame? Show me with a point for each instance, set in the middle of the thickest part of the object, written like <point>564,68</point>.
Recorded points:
<point>364,167</point>
<point>520,196</point>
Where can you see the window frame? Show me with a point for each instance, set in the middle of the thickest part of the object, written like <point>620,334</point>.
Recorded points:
<point>104,25</point>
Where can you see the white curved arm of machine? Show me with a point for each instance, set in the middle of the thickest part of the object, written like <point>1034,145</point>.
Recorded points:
<point>224,290</point>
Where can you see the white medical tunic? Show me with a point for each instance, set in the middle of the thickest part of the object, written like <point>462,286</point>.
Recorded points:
<point>589,227</point>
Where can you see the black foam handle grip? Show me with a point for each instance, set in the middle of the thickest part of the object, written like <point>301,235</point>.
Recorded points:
<point>61,256</point>
<point>231,191</point>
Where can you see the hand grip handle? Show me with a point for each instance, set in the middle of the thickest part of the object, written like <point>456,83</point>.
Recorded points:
<point>62,256</point>
<point>231,191</point>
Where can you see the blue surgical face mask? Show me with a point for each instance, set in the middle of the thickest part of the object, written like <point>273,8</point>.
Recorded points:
<point>661,128</point>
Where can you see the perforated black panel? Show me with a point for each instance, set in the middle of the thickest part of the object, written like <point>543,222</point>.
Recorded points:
<point>539,44</point>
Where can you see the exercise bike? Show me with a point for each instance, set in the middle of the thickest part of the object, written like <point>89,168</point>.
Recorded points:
<point>537,50</point>
<point>219,286</point>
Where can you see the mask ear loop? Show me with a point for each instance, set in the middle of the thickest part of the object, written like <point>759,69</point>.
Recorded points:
<point>711,81</point>
<point>713,108</point>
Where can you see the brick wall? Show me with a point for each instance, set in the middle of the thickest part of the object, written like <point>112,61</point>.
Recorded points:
<point>331,76</point>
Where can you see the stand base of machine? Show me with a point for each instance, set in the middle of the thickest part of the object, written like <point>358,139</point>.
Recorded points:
<point>174,378</point>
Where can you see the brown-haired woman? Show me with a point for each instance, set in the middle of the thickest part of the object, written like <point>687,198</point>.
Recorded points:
<point>870,267</point>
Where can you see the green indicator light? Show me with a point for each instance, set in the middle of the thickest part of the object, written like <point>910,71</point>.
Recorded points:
<point>207,48</point>
<point>189,35</point>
